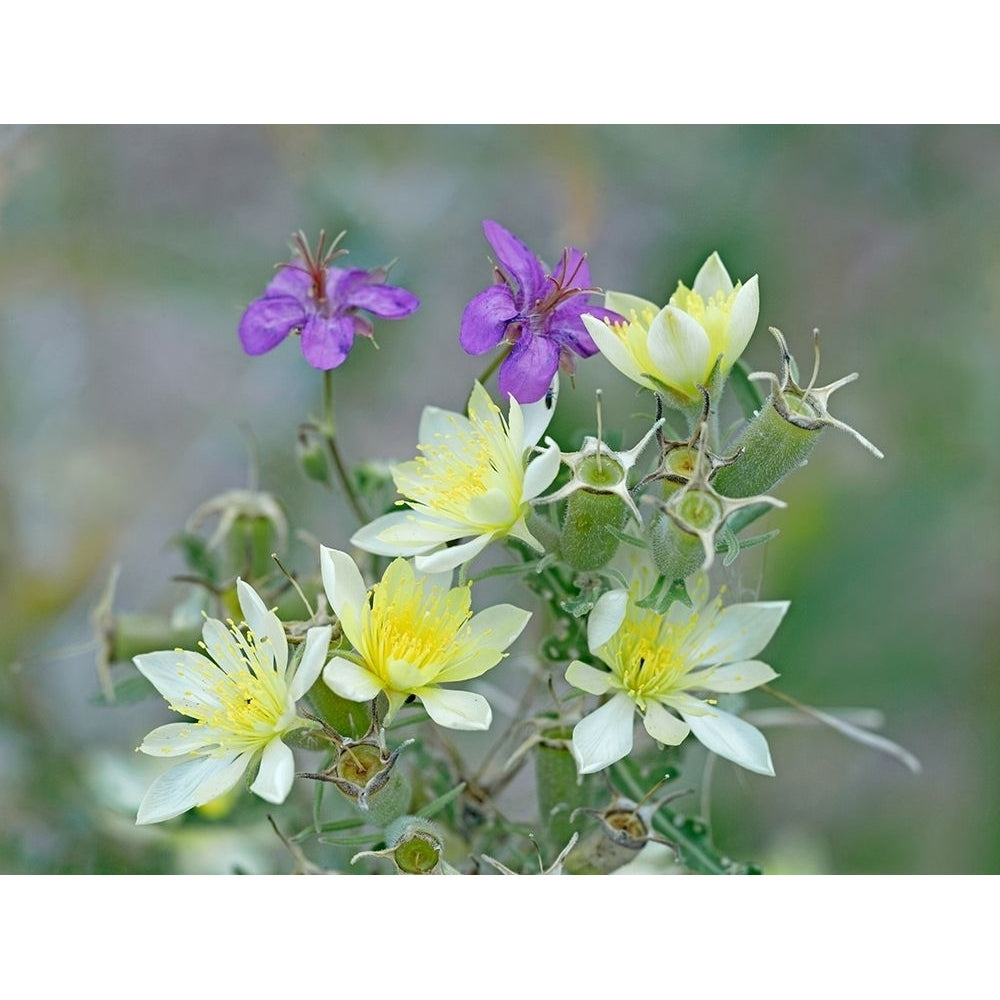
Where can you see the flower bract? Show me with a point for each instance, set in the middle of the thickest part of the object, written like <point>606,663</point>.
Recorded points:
<point>659,663</point>
<point>413,634</point>
<point>240,700</point>
<point>324,304</point>
<point>676,347</point>
<point>536,312</point>
<point>469,482</point>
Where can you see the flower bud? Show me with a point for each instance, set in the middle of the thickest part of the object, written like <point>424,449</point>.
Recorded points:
<point>312,458</point>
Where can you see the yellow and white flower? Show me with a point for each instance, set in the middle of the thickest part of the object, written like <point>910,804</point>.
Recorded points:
<point>657,663</point>
<point>677,346</point>
<point>241,700</point>
<point>413,634</point>
<point>470,482</point>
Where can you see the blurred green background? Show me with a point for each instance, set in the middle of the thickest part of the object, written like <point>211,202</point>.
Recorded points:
<point>128,253</point>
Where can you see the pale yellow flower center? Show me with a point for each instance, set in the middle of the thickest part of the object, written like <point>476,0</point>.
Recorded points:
<point>713,314</point>
<point>252,704</point>
<point>458,467</point>
<point>414,623</point>
<point>649,655</point>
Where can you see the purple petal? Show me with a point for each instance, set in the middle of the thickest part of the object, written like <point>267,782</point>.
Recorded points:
<point>527,371</point>
<point>267,321</point>
<point>326,342</point>
<point>486,318</point>
<point>567,328</point>
<point>359,289</point>
<point>292,281</point>
<point>572,271</point>
<point>518,261</point>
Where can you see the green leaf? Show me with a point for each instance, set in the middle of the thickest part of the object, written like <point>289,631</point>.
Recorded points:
<point>442,801</point>
<point>747,394</point>
<point>196,554</point>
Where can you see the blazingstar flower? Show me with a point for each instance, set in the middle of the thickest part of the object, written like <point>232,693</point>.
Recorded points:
<point>676,347</point>
<point>322,303</point>
<point>536,312</point>
<point>656,662</point>
<point>470,482</point>
<point>412,635</point>
<point>241,701</point>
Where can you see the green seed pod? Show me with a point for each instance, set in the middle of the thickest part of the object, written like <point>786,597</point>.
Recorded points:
<point>771,447</point>
<point>677,553</point>
<point>370,779</point>
<point>588,540</point>
<point>349,718</point>
<point>622,834</point>
<point>416,846</point>
<point>559,789</point>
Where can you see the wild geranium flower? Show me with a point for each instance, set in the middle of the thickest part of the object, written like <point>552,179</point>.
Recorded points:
<point>536,312</point>
<point>322,303</point>
<point>469,482</point>
<point>413,634</point>
<point>241,702</point>
<point>657,663</point>
<point>676,347</point>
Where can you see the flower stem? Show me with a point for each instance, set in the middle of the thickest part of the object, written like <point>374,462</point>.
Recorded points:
<point>494,363</point>
<point>328,430</point>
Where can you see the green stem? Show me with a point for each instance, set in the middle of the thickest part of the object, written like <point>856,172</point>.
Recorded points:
<point>328,430</point>
<point>494,363</point>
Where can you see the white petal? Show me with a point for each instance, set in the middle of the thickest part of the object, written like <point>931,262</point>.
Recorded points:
<point>613,349</point>
<point>454,555</point>
<point>190,783</point>
<point>541,471</point>
<point>350,681</point>
<point>742,321</point>
<point>185,679</point>
<point>436,424</point>
<point>606,618</point>
<point>345,590</point>
<point>624,304</point>
<point>734,677</point>
<point>177,738</point>
<point>536,416</point>
<point>739,632</point>
<point>485,637</point>
<point>604,736</point>
<point>313,657</point>
<point>491,508</point>
<point>712,277</point>
<point>277,770</point>
<point>456,709</point>
<point>679,348</point>
<point>732,738</point>
<point>222,646</point>
<point>265,625</point>
<point>387,536</point>
<point>587,678</point>
<point>664,726</point>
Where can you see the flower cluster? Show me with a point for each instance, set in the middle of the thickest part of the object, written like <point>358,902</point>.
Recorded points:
<point>616,552</point>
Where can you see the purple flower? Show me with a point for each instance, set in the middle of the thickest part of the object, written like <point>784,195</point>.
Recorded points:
<point>323,304</point>
<point>535,312</point>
